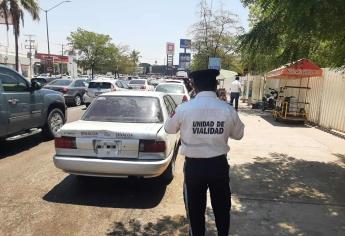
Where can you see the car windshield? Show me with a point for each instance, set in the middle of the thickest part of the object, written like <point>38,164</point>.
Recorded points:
<point>125,109</point>
<point>62,82</point>
<point>170,88</point>
<point>137,81</point>
<point>100,85</point>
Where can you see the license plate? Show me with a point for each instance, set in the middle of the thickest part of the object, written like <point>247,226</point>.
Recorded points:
<point>108,149</point>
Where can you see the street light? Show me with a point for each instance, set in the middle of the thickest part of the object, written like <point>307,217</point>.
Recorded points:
<point>46,11</point>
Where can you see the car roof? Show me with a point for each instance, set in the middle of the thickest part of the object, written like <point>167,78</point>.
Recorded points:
<point>178,84</point>
<point>103,80</point>
<point>135,94</point>
<point>174,81</point>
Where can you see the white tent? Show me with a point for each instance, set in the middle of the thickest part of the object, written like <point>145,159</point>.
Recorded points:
<point>226,77</point>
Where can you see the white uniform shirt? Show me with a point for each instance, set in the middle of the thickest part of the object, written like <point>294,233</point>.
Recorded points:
<point>235,86</point>
<point>205,124</point>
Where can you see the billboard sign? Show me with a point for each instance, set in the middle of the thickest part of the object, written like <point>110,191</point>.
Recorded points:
<point>185,59</point>
<point>214,63</point>
<point>170,48</point>
<point>186,43</point>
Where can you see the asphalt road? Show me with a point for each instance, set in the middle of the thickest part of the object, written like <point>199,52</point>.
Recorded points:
<point>38,199</point>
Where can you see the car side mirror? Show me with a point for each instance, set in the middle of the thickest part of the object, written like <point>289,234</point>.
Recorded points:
<point>36,85</point>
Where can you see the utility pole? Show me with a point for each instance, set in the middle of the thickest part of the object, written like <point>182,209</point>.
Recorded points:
<point>30,44</point>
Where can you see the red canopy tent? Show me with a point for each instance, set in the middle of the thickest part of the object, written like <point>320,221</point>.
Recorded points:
<point>302,68</point>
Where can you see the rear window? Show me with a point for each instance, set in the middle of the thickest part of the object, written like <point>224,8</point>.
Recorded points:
<point>125,109</point>
<point>100,85</point>
<point>62,82</point>
<point>170,88</point>
<point>135,81</point>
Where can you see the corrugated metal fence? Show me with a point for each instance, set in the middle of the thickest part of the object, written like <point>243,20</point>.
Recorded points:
<point>326,96</point>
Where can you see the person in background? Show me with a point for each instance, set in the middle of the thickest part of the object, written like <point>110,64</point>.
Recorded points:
<point>205,124</point>
<point>235,91</point>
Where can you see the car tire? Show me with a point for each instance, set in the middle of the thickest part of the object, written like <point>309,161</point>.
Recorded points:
<point>78,100</point>
<point>55,120</point>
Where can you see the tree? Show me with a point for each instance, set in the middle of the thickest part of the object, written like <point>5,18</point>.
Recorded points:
<point>284,31</point>
<point>14,9</point>
<point>93,48</point>
<point>214,35</point>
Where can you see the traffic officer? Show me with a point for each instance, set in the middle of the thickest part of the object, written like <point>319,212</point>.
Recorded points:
<point>205,124</point>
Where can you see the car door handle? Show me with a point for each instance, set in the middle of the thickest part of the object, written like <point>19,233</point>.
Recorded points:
<point>13,101</point>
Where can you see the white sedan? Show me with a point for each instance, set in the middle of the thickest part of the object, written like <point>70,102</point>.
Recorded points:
<point>177,91</point>
<point>140,84</point>
<point>121,134</point>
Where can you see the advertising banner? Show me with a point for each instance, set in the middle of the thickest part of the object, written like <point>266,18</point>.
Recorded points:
<point>186,43</point>
<point>184,59</point>
<point>170,48</point>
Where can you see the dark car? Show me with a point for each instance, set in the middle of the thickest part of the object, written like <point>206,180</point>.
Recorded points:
<point>24,106</point>
<point>73,90</point>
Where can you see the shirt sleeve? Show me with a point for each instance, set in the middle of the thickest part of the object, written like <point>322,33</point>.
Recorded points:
<point>173,124</point>
<point>237,129</point>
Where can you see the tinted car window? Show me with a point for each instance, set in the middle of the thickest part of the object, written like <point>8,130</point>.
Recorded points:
<point>100,85</point>
<point>168,105</point>
<point>172,102</point>
<point>170,88</point>
<point>126,109</point>
<point>61,82</point>
<point>13,84</point>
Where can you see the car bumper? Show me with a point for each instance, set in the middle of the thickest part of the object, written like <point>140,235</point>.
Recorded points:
<point>112,168</point>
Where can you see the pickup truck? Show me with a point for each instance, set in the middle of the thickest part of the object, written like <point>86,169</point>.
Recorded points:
<point>25,106</point>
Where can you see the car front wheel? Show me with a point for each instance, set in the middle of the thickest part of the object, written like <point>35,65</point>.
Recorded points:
<point>55,121</point>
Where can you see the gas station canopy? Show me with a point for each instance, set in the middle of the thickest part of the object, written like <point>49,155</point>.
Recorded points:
<point>302,68</point>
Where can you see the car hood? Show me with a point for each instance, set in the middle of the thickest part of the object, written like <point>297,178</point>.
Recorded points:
<point>92,129</point>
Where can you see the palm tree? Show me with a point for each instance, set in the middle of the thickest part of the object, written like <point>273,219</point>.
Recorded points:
<point>15,10</point>
<point>134,55</point>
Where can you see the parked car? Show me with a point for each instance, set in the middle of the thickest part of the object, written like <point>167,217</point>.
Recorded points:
<point>99,86</point>
<point>177,91</point>
<point>120,135</point>
<point>25,106</point>
<point>140,84</point>
<point>73,90</point>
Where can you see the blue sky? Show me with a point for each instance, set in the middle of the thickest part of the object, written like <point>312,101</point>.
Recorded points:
<point>144,25</point>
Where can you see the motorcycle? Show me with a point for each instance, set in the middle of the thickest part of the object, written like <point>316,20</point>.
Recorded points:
<point>269,100</point>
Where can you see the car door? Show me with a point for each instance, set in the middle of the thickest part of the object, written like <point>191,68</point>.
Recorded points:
<point>172,138</point>
<point>3,113</point>
<point>16,93</point>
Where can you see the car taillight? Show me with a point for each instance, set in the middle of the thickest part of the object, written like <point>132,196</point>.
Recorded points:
<point>143,87</point>
<point>65,142</point>
<point>152,146</point>
<point>65,90</point>
<point>185,98</point>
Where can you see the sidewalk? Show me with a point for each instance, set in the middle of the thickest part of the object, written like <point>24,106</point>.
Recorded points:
<point>286,179</point>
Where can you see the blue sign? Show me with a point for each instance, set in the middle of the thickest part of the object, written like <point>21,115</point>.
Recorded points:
<point>214,63</point>
<point>186,43</point>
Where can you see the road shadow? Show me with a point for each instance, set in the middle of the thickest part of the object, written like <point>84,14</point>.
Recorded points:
<point>107,192</point>
<point>275,195</point>
<point>282,195</point>
<point>10,148</point>
<point>164,226</point>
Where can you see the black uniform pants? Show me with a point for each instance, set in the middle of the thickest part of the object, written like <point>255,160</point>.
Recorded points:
<point>200,174</point>
<point>234,96</point>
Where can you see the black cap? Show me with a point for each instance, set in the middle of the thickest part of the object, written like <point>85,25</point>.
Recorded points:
<point>209,74</point>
